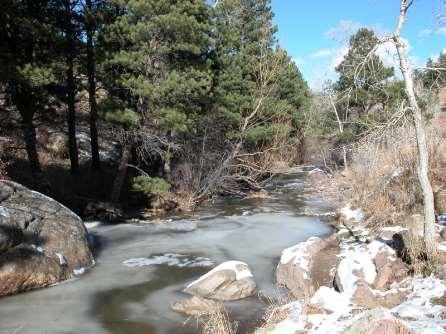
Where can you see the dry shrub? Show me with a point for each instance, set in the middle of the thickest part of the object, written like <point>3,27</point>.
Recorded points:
<point>415,255</point>
<point>382,177</point>
<point>217,322</point>
<point>275,312</point>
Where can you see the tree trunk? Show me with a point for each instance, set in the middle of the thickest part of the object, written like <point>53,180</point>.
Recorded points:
<point>423,153</point>
<point>91,69</point>
<point>302,148</point>
<point>121,174</point>
<point>29,135</point>
<point>26,106</point>
<point>71,93</point>
<point>344,157</point>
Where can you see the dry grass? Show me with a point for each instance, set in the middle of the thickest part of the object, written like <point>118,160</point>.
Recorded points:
<point>382,177</point>
<point>217,322</point>
<point>275,312</point>
<point>382,181</point>
<point>415,255</point>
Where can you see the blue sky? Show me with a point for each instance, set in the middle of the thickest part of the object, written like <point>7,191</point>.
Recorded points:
<point>315,33</point>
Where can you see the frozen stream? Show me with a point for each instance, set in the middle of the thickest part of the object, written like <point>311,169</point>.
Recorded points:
<point>141,269</point>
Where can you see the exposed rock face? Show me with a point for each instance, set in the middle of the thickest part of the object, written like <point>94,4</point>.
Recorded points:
<point>41,241</point>
<point>369,269</point>
<point>296,271</point>
<point>378,321</point>
<point>196,306</point>
<point>9,237</point>
<point>366,297</point>
<point>389,269</point>
<point>374,264</point>
<point>230,280</point>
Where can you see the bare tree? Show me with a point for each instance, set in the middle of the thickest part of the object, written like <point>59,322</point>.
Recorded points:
<point>423,154</point>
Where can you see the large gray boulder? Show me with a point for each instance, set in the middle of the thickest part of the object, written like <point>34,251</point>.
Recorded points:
<point>230,280</point>
<point>41,241</point>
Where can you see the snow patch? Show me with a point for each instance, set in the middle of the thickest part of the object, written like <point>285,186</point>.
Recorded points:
<point>331,300</point>
<point>79,271</point>
<point>442,247</point>
<point>62,260</point>
<point>299,254</point>
<point>38,248</point>
<point>171,260</point>
<point>229,265</point>
<point>418,308</point>
<point>360,259</point>
<point>395,229</point>
<point>355,215</point>
<point>316,170</point>
<point>4,212</point>
<point>93,224</point>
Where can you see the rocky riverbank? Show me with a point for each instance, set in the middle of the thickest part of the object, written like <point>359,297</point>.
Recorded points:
<point>359,280</point>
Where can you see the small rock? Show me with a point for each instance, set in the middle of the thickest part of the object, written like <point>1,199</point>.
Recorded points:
<point>196,306</point>
<point>378,321</point>
<point>230,280</point>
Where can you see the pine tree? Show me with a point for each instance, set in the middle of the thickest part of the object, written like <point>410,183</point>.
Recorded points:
<point>157,63</point>
<point>90,25</point>
<point>435,75</point>
<point>362,75</point>
<point>243,31</point>
<point>26,68</point>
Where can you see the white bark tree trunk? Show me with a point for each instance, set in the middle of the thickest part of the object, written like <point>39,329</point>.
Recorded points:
<point>423,153</point>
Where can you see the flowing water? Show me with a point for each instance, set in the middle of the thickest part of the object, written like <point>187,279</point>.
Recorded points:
<point>141,269</point>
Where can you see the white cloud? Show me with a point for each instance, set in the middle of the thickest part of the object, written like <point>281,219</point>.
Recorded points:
<point>338,56</point>
<point>429,32</point>
<point>425,33</point>
<point>299,61</point>
<point>441,31</point>
<point>344,29</point>
<point>322,53</point>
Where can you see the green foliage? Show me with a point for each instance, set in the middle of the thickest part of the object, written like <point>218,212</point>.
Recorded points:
<point>115,111</point>
<point>159,65</point>
<point>150,185</point>
<point>37,76</point>
<point>244,34</point>
<point>435,75</point>
<point>362,74</point>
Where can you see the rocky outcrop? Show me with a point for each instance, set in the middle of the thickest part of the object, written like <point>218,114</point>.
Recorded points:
<point>367,274</point>
<point>196,306</point>
<point>297,270</point>
<point>375,264</point>
<point>366,297</point>
<point>378,321</point>
<point>41,241</point>
<point>230,280</point>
